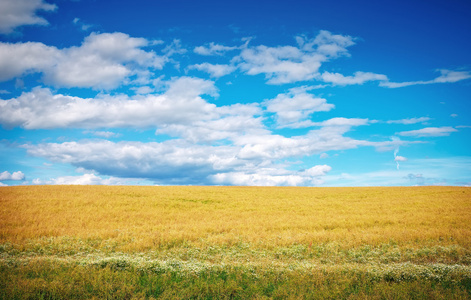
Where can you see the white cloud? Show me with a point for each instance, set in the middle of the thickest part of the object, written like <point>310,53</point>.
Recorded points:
<point>324,156</point>
<point>180,112</point>
<point>357,78</point>
<point>409,121</point>
<point>185,161</point>
<point>15,13</point>
<point>16,59</point>
<point>103,134</point>
<point>12,176</point>
<point>325,139</point>
<point>171,161</point>
<point>142,90</point>
<point>279,64</point>
<point>326,43</point>
<point>174,48</point>
<point>180,104</point>
<point>396,151</point>
<point>343,122</point>
<point>429,132</point>
<point>214,70</point>
<point>103,61</point>
<point>287,64</point>
<point>228,123</point>
<point>273,177</point>
<point>293,109</point>
<point>85,179</point>
<point>400,158</point>
<point>451,76</point>
<point>447,76</point>
<point>213,49</point>
<point>83,26</point>
<point>319,170</point>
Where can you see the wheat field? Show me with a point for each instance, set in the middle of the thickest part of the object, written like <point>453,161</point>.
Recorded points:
<point>183,242</point>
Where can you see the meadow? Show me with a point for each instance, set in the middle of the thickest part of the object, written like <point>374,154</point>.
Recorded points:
<point>130,242</point>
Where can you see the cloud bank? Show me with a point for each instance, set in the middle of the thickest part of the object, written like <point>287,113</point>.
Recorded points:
<point>18,175</point>
<point>16,13</point>
<point>103,61</point>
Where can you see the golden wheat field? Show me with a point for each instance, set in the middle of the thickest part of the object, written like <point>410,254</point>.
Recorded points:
<point>82,242</point>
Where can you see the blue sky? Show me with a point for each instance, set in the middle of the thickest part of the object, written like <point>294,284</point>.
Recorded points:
<point>301,93</point>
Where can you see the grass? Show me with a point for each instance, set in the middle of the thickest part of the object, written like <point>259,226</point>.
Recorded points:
<point>122,242</point>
